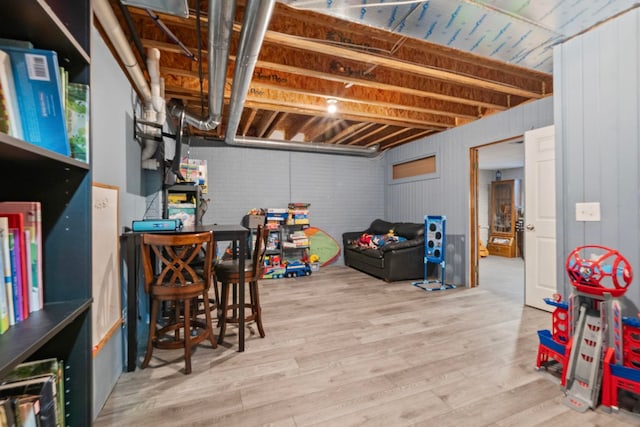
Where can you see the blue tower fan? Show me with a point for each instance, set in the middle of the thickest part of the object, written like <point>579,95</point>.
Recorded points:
<point>434,251</point>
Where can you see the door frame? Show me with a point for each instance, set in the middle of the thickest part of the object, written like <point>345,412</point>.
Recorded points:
<point>474,258</point>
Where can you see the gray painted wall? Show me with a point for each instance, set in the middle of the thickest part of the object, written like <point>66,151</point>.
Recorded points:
<point>346,193</point>
<point>597,111</point>
<point>115,158</point>
<point>447,191</point>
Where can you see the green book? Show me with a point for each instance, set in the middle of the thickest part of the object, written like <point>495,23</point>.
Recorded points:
<point>77,110</point>
<point>4,302</point>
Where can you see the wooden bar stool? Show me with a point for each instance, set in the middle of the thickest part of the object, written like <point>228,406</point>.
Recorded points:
<point>227,272</point>
<point>182,286</point>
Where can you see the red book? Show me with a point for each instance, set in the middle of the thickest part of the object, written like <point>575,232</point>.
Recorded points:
<point>32,217</point>
<point>16,221</point>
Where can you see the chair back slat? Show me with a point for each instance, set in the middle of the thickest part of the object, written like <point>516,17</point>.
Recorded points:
<point>175,254</point>
<point>260,251</point>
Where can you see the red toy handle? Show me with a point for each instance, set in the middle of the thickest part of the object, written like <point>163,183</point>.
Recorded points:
<point>605,271</point>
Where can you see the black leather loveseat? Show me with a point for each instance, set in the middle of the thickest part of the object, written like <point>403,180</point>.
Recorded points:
<point>401,260</point>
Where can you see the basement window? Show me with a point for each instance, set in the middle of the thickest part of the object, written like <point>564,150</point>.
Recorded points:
<point>413,168</point>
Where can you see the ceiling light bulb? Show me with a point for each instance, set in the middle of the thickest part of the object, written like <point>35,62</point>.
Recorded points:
<point>332,105</point>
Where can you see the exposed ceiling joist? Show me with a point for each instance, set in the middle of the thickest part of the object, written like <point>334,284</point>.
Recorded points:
<point>390,89</point>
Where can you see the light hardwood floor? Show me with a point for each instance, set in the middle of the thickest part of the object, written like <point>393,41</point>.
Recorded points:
<point>345,349</point>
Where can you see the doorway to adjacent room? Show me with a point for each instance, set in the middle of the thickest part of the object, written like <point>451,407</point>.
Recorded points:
<point>497,189</point>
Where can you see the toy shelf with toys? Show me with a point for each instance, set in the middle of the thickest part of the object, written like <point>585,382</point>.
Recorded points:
<point>288,245</point>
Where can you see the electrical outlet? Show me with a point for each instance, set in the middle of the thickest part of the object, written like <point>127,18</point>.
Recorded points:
<point>588,211</point>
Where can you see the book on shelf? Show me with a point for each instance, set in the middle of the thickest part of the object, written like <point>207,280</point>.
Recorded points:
<point>77,112</point>
<point>64,81</point>
<point>38,89</point>
<point>176,197</point>
<point>41,391</point>
<point>6,265</point>
<point>277,210</point>
<point>26,410</point>
<point>32,221</point>
<point>17,43</point>
<point>9,112</point>
<point>297,235</point>
<point>43,367</point>
<point>32,290</point>
<point>16,275</point>
<point>7,415</point>
<point>4,302</point>
<point>299,205</point>
<point>18,263</point>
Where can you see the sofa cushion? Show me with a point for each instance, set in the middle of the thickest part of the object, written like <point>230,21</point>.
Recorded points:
<point>402,245</point>
<point>410,230</point>
<point>380,226</point>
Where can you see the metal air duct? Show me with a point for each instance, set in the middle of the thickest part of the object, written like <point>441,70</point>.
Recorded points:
<point>221,15</point>
<point>312,147</point>
<point>254,27</point>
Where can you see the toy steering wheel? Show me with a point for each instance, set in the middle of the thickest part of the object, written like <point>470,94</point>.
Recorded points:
<point>604,271</point>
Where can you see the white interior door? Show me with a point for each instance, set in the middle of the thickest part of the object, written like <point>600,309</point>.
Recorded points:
<point>540,217</point>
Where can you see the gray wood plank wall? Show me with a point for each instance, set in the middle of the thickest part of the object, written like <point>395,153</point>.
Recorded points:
<point>597,111</point>
<point>447,191</point>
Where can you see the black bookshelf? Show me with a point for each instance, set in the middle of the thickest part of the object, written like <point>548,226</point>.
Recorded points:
<point>62,185</point>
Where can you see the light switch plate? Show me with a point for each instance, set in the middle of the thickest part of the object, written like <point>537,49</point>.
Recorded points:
<point>588,211</point>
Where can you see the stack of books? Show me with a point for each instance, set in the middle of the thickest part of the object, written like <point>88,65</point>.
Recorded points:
<point>298,213</point>
<point>298,239</point>
<point>276,217</point>
<point>21,290</point>
<point>32,395</point>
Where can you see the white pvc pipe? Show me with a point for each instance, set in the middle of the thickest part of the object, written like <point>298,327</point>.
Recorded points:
<point>109,22</point>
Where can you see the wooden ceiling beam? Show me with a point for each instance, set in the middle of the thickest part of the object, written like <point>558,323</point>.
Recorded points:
<point>321,128</point>
<point>387,96</point>
<point>412,137</point>
<point>248,120</point>
<point>267,120</point>
<point>328,29</point>
<point>364,130</point>
<point>391,95</point>
<point>342,73</point>
<point>276,124</point>
<point>391,135</point>
<point>295,128</point>
<point>368,135</point>
<point>321,37</point>
<point>311,121</point>
<point>295,103</point>
<point>346,131</point>
<point>349,111</point>
<point>321,28</point>
<point>391,89</point>
<point>402,66</point>
<point>266,90</point>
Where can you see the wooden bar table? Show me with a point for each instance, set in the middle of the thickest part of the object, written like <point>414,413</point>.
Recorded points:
<point>130,241</point>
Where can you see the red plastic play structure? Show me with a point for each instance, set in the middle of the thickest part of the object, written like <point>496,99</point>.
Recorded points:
<point>590,339</point>
<point>606,271</point>
<point>553,344</point>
